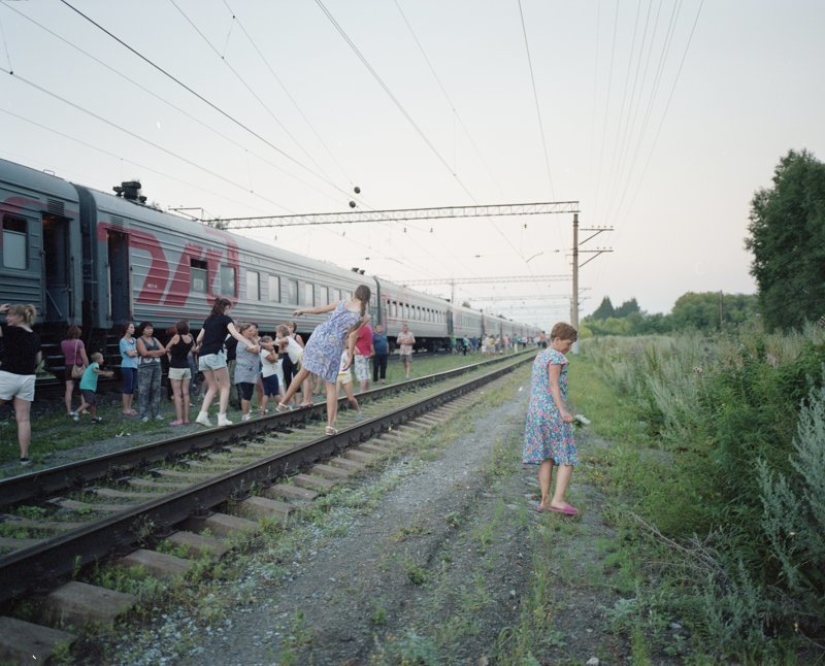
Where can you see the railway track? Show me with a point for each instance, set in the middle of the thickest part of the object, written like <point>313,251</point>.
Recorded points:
<point>59,521</point>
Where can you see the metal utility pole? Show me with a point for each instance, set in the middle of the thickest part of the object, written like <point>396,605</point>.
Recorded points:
<point>574,305</point>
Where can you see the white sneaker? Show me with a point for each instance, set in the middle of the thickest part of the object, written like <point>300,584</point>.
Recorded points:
<point>246,417</point>
<point>203,419</point>
<point>223,421</point>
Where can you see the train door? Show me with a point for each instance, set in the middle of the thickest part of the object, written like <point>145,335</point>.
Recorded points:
<point>120,293</point>
<point>57,269</point>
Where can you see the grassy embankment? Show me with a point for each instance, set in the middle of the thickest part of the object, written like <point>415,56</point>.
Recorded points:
<point>716,482</point>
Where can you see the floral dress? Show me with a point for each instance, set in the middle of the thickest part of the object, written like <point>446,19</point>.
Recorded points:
<point>322,354</point>
<point>546,435</point>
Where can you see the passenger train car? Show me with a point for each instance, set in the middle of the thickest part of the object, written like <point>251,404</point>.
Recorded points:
<point>98,260</point>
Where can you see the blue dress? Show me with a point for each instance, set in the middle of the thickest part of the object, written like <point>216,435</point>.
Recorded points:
<point>546,435</point>
<point>322,354</point>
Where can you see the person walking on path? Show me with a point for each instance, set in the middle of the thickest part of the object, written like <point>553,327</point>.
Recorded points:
<point>74,352</point>
<point>548,432</point>
<point>179,350</point>
<point>128,367</point>
<point>88,387</point>
<point>322,354</point>
<point>149,373</point>
<point>363,351</point>
<point>405,342</point>
<point>19,358</point>
<point>381,348</point>
<point>212,360</point>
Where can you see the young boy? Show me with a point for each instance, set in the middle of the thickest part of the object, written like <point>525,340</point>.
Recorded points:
<point>345,382</point>
<point>88,388</point>
<point>269,372</point>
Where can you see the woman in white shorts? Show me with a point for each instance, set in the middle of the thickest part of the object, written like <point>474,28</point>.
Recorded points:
<point>212,359</point>
<point>21,354</point>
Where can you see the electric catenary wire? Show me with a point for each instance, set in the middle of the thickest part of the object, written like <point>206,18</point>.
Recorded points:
<point>392,96</point>
<point>202,98</point>
<point>163,100</point>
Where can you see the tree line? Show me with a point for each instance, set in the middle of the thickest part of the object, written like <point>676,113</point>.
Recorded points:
<point>787,241</point>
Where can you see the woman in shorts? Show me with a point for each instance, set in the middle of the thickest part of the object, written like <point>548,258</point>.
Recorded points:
<point>212,359</point>
<point>20,356</point>
<point>180,372</point>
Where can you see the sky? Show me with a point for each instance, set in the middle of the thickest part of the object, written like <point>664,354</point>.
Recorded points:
<point>661,118</point>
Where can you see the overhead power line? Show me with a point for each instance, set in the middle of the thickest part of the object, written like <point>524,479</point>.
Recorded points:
<point>212,105</point>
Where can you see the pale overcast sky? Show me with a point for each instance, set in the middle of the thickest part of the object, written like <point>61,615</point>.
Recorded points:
<point>661,118</point>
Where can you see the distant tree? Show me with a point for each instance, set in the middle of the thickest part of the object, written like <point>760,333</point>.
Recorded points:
<point>787,227</point>
<point>711,311</point>
<point>604,310</point>
<point>627,308</point>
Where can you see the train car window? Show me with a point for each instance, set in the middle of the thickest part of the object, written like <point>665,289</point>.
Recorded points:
<point>227,280</point>
<point>306,294</point>
<point>274,289</point>
<point>292,291</point>
<point>15,251</point>
<point>336,295</point>
<point>197,274</point>
<point>253,285</point>
<point>323,295</point>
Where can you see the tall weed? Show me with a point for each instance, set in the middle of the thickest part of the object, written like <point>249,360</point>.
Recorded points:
<point>727,469</point>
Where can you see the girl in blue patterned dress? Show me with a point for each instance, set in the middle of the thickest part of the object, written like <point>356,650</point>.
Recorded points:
<point>548,432</point>
<point>322,353</point>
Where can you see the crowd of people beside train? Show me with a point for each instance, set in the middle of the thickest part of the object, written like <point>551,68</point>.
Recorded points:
<point>227,362</point>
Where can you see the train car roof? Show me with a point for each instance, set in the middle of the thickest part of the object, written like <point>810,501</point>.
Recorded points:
<point>37,181</point>
<point>125,208</point>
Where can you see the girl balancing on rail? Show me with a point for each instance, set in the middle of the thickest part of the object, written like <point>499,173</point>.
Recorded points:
<point>322,354</point>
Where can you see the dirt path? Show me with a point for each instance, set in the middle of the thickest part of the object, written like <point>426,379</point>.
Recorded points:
<point>429,561</point>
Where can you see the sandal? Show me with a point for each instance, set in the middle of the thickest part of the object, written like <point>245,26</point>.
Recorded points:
<point>329,430</point>
<point>282,407</point>
<point>306,404</point>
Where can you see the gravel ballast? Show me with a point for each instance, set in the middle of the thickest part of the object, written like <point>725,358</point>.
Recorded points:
<point>425,560</point>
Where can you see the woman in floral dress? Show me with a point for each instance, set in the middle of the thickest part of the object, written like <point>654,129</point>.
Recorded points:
<point>548,432</point>
<point>322,353</point>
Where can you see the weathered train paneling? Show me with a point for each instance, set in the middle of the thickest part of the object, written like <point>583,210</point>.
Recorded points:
<point>40,227</point>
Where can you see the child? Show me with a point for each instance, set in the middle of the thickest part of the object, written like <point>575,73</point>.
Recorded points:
<point>291,349</point>
<point>269,372</point>
<point>345,382</point>
<point>88,388</point>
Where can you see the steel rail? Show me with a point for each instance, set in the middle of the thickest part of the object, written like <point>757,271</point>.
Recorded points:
<point>39,566</point>
<point>26,487</point>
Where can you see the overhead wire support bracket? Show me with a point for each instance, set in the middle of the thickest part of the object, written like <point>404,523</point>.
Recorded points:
<point>484,280</point>
<point>399,215</point>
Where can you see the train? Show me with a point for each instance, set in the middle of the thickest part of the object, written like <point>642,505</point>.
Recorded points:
<point>98,260</point>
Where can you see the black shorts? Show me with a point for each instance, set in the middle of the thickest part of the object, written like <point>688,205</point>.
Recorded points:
<point>246,389</point>
<point>89,397</point>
